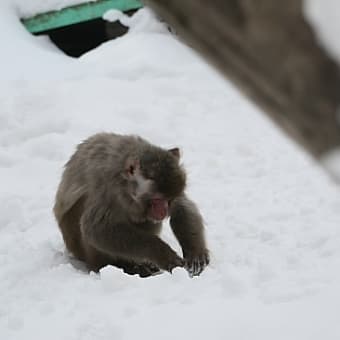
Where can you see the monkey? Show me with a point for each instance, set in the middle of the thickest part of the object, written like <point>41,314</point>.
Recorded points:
<point>114,194</point>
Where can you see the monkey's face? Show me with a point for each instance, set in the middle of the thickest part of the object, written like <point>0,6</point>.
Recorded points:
<point>154,181</point>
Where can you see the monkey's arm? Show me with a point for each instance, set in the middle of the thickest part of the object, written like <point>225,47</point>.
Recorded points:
<point>125,240</point>
<point>187,225</point>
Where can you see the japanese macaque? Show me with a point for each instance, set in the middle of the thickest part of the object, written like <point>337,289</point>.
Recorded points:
<point>114,194</point>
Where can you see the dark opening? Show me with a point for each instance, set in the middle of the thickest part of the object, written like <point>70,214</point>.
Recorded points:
<point>78,39</point>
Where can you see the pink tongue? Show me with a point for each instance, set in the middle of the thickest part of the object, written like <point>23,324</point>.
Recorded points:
<point>159,209</point>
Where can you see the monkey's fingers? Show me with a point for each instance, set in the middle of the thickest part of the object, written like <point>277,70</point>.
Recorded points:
<point>145,269</point>
<point>148,269</point>
<point>177,262</point>
<point>195,265</point>
<point>151,267</point>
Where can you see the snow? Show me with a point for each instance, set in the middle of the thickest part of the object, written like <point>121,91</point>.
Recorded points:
<point>30,8</point>
<point>272,215</point>
<point>140,21</point>
<point>331,162</point>
<point>324,17</point>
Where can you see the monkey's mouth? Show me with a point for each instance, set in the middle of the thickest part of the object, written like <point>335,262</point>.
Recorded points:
<point>159,209</point>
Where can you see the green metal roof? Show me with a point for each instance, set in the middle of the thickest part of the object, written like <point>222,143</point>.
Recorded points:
<point>76,14</point>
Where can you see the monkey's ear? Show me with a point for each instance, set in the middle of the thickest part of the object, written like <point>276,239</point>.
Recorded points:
<point>175,152</point>
<point>131,166</point>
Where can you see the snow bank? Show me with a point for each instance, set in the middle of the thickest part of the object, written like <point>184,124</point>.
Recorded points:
<point>272,215</point>
<point>30,8</point>
<point>143,20</point>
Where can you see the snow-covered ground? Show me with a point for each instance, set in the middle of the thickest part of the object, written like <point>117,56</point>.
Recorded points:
<point>272,215</point>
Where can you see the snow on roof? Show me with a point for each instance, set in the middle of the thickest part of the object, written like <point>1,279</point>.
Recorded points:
<point>33,7</point>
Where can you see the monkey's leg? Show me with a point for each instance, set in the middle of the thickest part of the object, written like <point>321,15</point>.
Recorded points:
<point>69,225</point>
<point>187,225</point>
<point>126,241</point>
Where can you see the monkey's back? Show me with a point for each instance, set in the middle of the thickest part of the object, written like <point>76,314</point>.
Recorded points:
<point>90,167</point>
<point>93,161</point>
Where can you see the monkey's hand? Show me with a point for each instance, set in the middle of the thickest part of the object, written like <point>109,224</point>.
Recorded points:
<point>146,269</point>
<point>170,260</point>
<point>195,262</point>
<point>143,269</point>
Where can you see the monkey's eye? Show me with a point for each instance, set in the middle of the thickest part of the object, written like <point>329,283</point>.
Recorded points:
<point>131,169</point>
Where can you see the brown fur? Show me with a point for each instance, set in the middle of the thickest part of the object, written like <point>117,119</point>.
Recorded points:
<point>101,220</point>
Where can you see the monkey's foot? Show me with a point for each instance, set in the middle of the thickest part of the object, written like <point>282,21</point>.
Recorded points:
<point>195,264</point>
